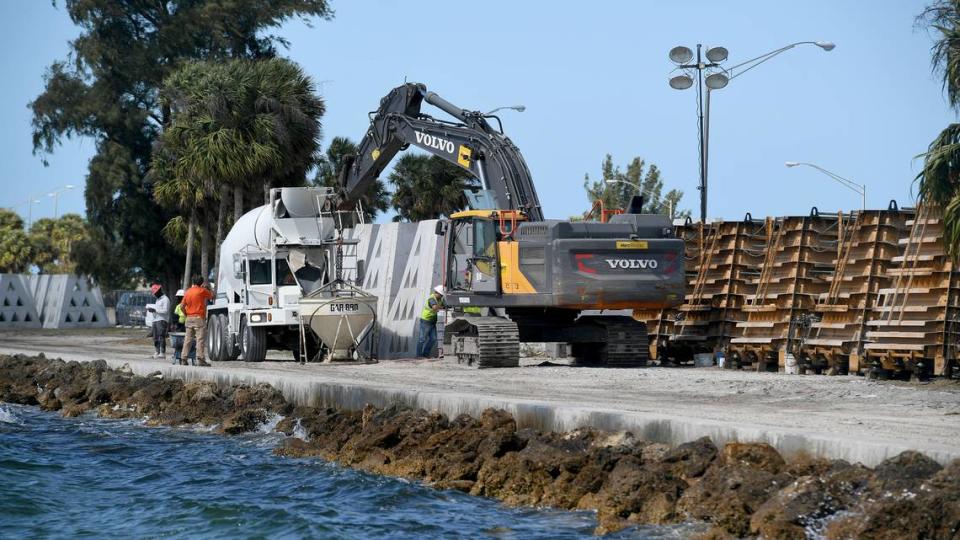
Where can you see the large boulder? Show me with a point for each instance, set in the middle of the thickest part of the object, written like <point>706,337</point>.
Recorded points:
<point>634,494</point>
<point>735,486</point>
<point>690,460</point>
<point>903,472</point>
<point>787,514</point>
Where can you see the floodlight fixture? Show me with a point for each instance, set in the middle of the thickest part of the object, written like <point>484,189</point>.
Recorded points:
<point>681,54</point>
<point>717,54</point>
<point>716,81</point>
<point>681,82</point>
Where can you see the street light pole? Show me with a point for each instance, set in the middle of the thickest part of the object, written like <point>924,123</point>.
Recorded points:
<point>715,81</point>
<point>681,56</point>
<point>56,198</point>
<point>860,189</point>
<point>30,202</point>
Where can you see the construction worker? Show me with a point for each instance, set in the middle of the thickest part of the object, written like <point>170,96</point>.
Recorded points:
<point>428,322</point>
<point>195,307</point>
<point>178,325</point>
<point>161,319</point>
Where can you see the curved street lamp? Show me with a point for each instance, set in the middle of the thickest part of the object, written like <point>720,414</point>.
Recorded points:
<point>518,108</point>
<point>56,197</point>
<point>860,189</point>
<point>715,80</point>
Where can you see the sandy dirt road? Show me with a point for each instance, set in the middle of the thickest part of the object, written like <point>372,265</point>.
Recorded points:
<point>848,409</point>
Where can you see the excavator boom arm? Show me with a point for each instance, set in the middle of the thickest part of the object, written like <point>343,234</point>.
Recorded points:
<point>470,143</point>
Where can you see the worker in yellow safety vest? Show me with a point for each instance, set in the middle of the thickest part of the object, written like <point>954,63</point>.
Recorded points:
<point>428,322</point>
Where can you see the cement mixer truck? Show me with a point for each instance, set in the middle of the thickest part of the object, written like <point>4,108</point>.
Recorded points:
<point>278,284</point>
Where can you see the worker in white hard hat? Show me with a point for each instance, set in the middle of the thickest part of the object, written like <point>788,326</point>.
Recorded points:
<point>428,322</point>
<point>179,325</point>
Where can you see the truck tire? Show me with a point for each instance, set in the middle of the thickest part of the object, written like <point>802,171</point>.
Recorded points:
<point>253,342</point>
<point>214,338</point>
<point>230,349</point>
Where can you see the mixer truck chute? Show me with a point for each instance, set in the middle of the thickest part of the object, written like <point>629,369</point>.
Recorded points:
<point>273,258</point>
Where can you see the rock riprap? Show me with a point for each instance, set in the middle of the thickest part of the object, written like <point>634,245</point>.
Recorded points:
<point>741,489</point>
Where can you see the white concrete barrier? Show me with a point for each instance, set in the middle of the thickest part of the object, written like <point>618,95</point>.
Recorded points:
<point>400,264</point>
<point>17,306</point>
<point>67,301</point>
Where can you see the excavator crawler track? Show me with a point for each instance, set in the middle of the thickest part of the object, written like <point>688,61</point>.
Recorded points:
<point>627,344</point>
<point>486,342</point>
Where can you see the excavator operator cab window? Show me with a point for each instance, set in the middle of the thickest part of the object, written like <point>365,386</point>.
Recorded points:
<point>484,237</point>
<point>483,265</point>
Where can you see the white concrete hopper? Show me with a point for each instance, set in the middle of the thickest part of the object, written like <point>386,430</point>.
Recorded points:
<point>341,317</point>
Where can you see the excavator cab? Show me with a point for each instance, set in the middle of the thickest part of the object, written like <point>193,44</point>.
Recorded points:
<point>475,254</point>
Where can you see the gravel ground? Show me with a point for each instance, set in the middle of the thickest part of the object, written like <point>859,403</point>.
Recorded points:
<point>921,416</point>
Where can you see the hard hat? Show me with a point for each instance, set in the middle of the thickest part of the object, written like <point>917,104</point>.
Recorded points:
<point>440,290</point>
<point>179,292</point>
<point>155,288</point>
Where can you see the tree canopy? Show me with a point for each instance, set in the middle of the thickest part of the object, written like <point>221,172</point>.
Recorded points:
<point>49,247</point>
<point>329,166</point>
<point>427,187</point>
<point>616,188</point>
<point>16,251</point>
<point>109,90</point>
<point>939,181</point>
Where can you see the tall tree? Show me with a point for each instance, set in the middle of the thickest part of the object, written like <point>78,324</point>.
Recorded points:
<point>616,188</point>
<point>427,187</point>
<point>330,166</point>
<point>939,181</point>
<point>108,90</point>
<point>234,126</point>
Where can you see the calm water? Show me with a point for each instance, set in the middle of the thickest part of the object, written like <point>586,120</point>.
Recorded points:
<point>86,477</point>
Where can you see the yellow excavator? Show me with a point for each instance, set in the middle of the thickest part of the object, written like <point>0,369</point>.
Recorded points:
<point>511,275</point>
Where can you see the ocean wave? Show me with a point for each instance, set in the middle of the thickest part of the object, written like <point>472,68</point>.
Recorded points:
<point>8,417</point>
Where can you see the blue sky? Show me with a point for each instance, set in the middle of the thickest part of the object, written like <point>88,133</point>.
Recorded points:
<point>593,77</point>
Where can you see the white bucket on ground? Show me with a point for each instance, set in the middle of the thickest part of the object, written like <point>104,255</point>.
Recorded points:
<point>703,360</point>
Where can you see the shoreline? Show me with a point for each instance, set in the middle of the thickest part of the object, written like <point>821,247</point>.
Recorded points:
<point>741,489</point>
<point>847,418</point>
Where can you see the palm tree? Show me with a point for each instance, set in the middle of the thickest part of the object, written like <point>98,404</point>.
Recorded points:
<point>939,181</point>
<point>427,187</point>
<point>330,166</point>
<point>237,129</point>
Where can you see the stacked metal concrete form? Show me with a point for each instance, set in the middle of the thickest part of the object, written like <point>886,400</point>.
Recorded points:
<point>838,332</point>
<point>722,264</point>
<point>797,268</point>
<point>916,319</point>
<point>870,292</point>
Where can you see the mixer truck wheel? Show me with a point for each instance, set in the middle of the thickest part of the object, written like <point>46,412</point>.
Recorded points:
<point>253,342</point>
<point>214,339</point>
<point>229,348</point>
